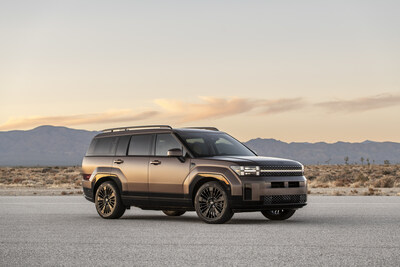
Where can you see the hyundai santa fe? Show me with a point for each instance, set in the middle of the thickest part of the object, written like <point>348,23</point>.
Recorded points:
<point>176,170</point>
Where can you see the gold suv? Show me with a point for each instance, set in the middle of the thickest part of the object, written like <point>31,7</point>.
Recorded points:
<point>177,170</point>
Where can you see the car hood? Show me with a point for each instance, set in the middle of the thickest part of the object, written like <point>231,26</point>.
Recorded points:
<point>256,160</point>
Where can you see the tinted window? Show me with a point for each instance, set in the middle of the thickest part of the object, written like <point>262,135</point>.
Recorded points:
<point>214,144</point>
<point>103,146</point>
<point>140,145</point>
<point>164,143</point>
<point>122,145</point>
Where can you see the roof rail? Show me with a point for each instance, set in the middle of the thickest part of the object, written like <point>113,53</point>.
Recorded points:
<point>203,128</point>
<point>135,127</point>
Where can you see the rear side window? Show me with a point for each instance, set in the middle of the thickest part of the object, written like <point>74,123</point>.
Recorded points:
<point>140,145</point>
<point>122,145</point>
<point>103,146</point>
<point>164,143</point>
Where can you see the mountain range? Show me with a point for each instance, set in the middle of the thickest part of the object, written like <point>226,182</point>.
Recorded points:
<point>62,146</point>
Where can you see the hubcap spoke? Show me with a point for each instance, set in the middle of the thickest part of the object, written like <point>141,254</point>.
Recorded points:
<point>106,200</point>
<point>211,202</point>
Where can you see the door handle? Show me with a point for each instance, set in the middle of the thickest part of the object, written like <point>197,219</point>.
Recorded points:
<point>118,161</point>
<point>155,162</point>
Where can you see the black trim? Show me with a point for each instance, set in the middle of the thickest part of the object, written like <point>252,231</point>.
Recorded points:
<point>157,203</point>
<point>153,195</point>
<point>238,205</point>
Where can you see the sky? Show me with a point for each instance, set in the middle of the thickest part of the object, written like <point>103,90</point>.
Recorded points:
<point>297,71</point>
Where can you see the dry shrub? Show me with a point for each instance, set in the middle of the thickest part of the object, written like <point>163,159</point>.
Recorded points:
<point>361,178</point>
<point>17,180</point>
<point>319,185</point>
<point>387,172</point>
<point>371,191</point>
<point>63,193</point>
<point>386,182</point>
<point>326,178</point>
<point>340,183</point>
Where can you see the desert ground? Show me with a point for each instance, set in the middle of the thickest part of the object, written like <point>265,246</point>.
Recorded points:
<point>380,180</point>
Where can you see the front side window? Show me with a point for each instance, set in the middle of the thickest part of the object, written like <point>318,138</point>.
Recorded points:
<point>140,145</point>
<point>165,142</point>
<point>103,146</point>
<point>214,144</point>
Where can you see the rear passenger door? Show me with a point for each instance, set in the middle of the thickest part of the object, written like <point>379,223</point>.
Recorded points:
<point>132,158</point>
<point>167,174</point>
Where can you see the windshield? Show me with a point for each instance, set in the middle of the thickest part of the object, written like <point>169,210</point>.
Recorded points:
<point>203,144</point>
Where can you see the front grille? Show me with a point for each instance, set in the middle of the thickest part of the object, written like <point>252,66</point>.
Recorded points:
<point>285,199</point>
<point>281,171</point>
<point>293,168</point>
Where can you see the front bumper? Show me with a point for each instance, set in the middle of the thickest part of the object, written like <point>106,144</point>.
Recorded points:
<point>263,193</point>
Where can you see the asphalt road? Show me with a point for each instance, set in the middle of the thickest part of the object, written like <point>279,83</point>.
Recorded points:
<point>66,230</point>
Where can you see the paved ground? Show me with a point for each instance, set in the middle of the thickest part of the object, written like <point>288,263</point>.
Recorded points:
<point>66,230</point>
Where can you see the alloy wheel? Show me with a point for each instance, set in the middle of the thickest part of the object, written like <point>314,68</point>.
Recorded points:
<point>211,202</point>
<point>106,199</point>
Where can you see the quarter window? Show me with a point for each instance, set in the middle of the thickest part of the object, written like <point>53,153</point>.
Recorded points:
<point>103,146</point>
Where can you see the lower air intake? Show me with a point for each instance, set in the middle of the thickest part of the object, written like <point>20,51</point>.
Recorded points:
<point>285,199</point>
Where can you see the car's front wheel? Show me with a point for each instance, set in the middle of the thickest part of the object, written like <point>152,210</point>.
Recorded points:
<point>212,204</point>
<point>174,212</point>
<point>108,201</point>
<point>280,214</point>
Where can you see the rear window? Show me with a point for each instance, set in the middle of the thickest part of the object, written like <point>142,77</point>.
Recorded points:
<point>103,146</point>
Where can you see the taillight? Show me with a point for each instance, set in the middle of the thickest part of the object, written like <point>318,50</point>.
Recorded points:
<point>86,176</point>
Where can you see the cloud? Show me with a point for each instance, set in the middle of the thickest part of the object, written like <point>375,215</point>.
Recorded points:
<point>361,104</point>
<point>172,111</point>
<point>105,117</point>
<point>283,105</point>
<point>213,108</point>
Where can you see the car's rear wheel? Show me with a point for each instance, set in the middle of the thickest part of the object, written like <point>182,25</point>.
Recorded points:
<point>212,204</point>
<point>279,215</point>
<point>108,201</point>
<point>174,212</point>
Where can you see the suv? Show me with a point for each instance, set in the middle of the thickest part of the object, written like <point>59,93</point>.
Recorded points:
<point>177,170</point>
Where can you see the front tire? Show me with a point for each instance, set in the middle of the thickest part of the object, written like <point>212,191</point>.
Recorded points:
<point>212,204</point>
<point>174,212</point>
<point>278,215</point>
<point>108,201</point>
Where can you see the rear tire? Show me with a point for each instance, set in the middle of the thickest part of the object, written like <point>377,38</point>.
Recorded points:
<point>108,201</point>
<point>174,212</point>
<point>212,204</point>
<point>278,215</point>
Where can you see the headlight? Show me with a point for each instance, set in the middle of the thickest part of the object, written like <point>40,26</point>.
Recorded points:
<point>246,170</point>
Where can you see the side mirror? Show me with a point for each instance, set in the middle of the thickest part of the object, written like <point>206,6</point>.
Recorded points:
<point>175,152</point>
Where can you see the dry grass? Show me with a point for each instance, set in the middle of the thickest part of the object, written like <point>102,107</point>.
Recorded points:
<point>323,179</point>
<point>354,176</point>
<point>40,177</point>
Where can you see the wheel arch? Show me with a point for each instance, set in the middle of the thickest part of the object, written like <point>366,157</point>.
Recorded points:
<point>106,178</point>
<point>201,179</point>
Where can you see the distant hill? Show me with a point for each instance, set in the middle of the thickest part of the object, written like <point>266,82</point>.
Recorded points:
<point>52,146</point>
<point>45,146</point>
<point>324,153</point>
